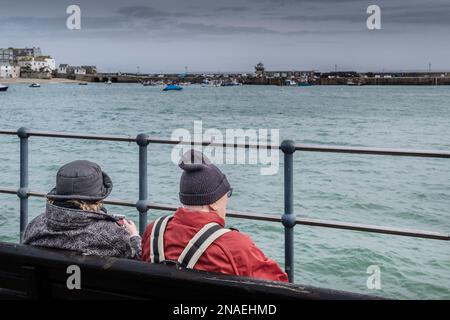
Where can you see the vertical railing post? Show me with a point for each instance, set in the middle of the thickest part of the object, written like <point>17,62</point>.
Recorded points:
<point>288,218</point>
<point>22,192</point>
<point>141,204</point>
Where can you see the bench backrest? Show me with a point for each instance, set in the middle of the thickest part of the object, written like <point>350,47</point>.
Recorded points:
<point>28,272</point>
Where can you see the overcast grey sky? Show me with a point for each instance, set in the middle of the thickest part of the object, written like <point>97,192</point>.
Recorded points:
<point>233,35</point>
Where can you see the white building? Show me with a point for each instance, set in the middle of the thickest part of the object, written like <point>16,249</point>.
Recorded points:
<point>9,71</point>
<point>51,63</point>
<point>63,69</point>
<point>36,64</point>
<point>79,70</point>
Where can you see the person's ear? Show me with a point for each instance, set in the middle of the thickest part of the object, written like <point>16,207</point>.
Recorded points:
<point>213,206</point>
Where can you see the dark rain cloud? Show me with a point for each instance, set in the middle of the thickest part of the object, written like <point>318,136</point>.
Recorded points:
<point>414,14</point>
<point>234,9</point>
<point>203,28</point>
<point>312,31</point>
<point>143,12</point>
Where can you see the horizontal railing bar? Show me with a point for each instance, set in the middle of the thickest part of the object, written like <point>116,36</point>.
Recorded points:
<point>8,132</point>
<point>298,147</point>
<point>374,151</point>
<point>48,134</point>
<point>124,138</point>
<point>277,218</point>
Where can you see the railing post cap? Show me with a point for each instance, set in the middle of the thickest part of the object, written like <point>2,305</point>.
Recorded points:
<point>142,139</point>
<point>22,193</point>
<point>23,132</point>
<point>288,146</point>
<point>142,206</point>
<point>288,220</point>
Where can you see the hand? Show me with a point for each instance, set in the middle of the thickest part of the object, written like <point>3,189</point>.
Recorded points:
<point>130,227</point>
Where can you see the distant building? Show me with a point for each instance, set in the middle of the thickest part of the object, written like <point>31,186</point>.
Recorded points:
<point>259,69</point>
<point>79,70</point>
<point>36,64</point>
<point>9,71</point>
<point>290,74</point>
<point>90,69</point>
<point>64,69</point>
<point>6,56</point>
<point>9,55</point>
<point>83,70</point>
<point>340,74</point>
<point>50,62</point>
<point>32,52</point>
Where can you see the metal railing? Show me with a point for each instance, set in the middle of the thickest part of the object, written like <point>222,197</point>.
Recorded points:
<point>288,218</point>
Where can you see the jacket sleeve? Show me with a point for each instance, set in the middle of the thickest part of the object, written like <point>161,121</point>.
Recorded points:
<point>136,250</point>
<point>117,242</point>
<point>251,261</point>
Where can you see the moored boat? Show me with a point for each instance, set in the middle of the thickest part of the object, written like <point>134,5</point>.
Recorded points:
<point>35,85</point>
<point>173,87</point>
<point>233,83</point>
<point>290,82</point>
<point>3,87</point>
<point>352,83</point>
<point>212,83</point>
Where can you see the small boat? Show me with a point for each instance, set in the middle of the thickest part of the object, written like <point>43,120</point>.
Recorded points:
<point>3,87</point>
<point>108,82</point>
<point>233,83</point>
<point>213,83</point>
<point>290,83</point>
<point>172,87</point>
<point>304,84</point>
<point>35,85</point>
<point>352,83</point>
<point>83,84</point>
<point>152,83</point>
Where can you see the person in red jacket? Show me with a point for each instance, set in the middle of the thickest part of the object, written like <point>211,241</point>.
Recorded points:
<point>195,237</point>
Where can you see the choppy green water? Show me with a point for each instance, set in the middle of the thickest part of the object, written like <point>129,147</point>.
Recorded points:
<point>401,192</point>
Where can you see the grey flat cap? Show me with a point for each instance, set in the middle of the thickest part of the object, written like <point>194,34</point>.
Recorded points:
<point>81,180</point>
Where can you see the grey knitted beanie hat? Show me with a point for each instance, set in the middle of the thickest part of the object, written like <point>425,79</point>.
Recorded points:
<point>202,182</point>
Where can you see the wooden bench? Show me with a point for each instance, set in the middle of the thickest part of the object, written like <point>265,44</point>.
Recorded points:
<point>28,272</point>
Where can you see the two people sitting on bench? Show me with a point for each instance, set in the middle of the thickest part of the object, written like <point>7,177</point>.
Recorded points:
<point>195,237</point>
<point>76,220</point>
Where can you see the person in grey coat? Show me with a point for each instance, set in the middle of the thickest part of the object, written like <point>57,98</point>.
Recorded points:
<point>76,220</point>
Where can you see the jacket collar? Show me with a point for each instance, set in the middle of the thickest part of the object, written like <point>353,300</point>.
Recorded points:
<point>196,219</point>
<point>68,218</point>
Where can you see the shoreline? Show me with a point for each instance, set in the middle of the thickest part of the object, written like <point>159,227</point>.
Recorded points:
<point>32,80</point>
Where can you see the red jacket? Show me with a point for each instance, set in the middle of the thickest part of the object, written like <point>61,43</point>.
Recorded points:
<point>233,253</point>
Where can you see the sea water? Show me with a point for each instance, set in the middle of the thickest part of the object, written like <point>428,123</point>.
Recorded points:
<point>379,190</point>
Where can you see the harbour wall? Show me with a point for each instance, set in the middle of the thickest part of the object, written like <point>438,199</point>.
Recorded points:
<point>416,81</point>
<point>403,81</point>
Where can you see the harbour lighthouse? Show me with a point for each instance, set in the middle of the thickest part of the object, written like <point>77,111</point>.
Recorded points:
<point>260,69</point>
